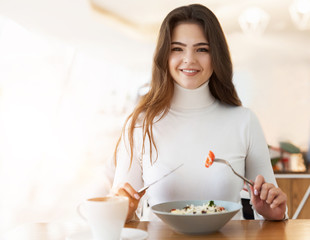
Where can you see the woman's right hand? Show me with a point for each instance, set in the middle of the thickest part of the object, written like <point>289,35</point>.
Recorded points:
<point>134,197</point>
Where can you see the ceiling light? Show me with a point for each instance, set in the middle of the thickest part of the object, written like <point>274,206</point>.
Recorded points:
<point>254,20</point>
<point>300,13</point>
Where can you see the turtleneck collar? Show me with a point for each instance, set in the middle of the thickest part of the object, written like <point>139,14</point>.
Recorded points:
<point>184,98</point>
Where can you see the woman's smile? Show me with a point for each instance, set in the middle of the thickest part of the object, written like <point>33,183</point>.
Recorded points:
<point>189,72</point>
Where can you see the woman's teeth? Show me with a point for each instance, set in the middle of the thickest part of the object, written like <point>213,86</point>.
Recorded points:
<point>189,71</point>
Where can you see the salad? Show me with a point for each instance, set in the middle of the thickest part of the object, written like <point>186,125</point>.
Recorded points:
<point>206,208</point>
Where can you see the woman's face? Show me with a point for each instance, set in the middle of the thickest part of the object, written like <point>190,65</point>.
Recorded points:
<point>189,60</point>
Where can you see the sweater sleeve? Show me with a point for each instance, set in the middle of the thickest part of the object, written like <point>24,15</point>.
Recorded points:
<point>258,159</point>
<point>125,172</point>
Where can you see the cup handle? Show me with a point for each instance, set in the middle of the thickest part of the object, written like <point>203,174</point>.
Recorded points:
<point>79,211</point>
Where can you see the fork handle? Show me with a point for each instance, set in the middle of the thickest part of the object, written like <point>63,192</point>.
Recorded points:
<point>245,179</point>
<point>228,164</point>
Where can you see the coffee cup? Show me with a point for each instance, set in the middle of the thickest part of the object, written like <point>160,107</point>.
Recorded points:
<point>106,216</point>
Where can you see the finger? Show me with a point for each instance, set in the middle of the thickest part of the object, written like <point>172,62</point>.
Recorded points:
<point>272,194</point>
<point>123,192</point>
<point>254,198</point>
<point>132,192</point>
<point>265,189</point>
<point>280,199</point>
<point>259,181</point>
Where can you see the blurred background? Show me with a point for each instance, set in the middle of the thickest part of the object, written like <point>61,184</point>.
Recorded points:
<point>71,71</point>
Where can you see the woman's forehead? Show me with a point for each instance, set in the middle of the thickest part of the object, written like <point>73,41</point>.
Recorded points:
<point>188,30</point>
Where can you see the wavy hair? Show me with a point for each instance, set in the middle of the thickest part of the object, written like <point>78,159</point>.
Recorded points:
<point>157,101</point>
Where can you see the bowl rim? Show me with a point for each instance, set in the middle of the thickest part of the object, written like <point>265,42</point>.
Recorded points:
<point>238,205</point>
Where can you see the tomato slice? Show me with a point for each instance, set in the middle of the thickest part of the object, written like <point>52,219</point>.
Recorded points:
<point>211,155</point>
<point>208,162</point>
<point>210,159</point>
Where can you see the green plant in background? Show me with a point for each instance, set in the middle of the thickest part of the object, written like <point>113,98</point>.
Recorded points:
<point>289,147</point>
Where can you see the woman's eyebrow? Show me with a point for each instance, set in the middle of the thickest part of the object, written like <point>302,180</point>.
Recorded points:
<point>195,45</point>
<point>201,44</point>
<point>179,43</point>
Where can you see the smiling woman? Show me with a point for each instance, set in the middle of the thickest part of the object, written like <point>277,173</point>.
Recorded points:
<point>193,106</point>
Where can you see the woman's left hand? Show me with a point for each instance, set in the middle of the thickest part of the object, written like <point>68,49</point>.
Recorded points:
<point>268,200</point>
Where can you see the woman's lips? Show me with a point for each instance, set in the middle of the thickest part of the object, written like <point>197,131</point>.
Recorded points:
<point>189,72</point>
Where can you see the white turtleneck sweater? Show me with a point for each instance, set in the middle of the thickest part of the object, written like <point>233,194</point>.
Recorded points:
<point>195,124</point>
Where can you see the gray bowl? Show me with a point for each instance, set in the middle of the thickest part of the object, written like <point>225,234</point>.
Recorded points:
<point>195,224</point>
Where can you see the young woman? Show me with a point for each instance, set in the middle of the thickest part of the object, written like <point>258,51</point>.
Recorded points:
<point>192,107</point>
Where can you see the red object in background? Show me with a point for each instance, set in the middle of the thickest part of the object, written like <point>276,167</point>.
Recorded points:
<point>285,164</point>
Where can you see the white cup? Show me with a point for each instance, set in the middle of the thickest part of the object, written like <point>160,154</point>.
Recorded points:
<point>106,216</point>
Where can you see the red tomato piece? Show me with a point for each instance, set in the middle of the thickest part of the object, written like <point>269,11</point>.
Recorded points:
<point>208,162</point>
<point>210,159</point>
<point>211,155</point>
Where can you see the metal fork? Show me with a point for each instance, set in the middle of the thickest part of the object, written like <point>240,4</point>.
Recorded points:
<point>228,164</point>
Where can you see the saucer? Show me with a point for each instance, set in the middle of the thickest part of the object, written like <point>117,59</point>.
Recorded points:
<point>127,234</point>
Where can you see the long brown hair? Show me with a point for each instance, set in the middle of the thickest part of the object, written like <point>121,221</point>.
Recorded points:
<point>157,101</point>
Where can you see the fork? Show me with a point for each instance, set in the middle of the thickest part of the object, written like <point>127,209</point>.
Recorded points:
<point>228,164</point>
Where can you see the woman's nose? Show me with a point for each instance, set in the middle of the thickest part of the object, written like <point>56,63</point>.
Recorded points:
<point>188,58</point>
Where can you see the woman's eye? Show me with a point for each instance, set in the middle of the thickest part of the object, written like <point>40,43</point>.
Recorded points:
<point>202,50</point>
<point>176,49</point>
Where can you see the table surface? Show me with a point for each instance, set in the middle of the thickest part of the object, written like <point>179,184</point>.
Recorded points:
<point>235,229</point>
